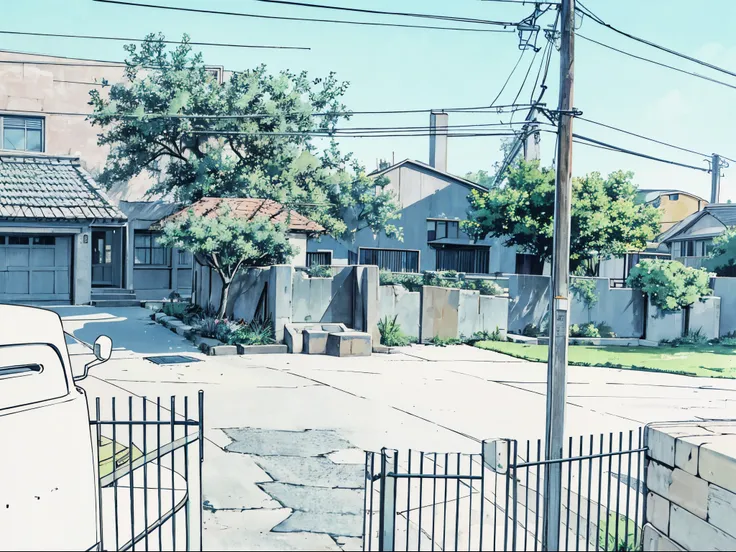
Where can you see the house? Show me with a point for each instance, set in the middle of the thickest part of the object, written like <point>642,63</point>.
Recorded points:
<point>691,240</point>
<point>433,203</point>
<point>299,230</point>
<point>61,237</point>
<point>675,205</point>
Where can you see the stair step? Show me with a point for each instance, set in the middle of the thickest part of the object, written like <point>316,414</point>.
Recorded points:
<point>114,297</point>
<point>112,291</point>
<point>116,303</point>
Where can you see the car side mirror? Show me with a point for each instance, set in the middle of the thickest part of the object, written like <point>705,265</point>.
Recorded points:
<point>103,348</point>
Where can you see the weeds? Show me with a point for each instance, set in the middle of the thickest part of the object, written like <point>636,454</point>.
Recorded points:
<point>319,271</point>
<point>444,342</point>
<point>391,334</point>
<point>696,337</point>
<point>256,332</point>
<point>485,335</point>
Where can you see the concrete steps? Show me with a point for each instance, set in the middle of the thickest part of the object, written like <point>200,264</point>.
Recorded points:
<point>114,297</point>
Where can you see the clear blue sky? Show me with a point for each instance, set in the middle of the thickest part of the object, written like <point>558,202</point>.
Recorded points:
<point>391,68</point>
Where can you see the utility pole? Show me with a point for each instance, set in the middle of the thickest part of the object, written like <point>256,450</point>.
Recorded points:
<point>559,300</point>
<point>715,178</point>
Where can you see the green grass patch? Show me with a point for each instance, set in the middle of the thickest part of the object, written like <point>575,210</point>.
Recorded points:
<point>621,534</point>
<point>706,360</point>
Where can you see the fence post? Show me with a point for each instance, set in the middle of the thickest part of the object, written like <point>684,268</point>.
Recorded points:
<point>387,507</point>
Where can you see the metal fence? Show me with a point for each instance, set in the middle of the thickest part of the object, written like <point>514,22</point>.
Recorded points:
<point>148,474</point>
<point>494,500</point>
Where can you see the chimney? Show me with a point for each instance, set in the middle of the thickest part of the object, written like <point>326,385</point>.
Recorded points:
<point>438,140</point>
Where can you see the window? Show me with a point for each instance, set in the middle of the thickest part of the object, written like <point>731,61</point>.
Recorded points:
<point>708,245</point>
<point>674,197</point>
<point>148,251</point>
<point>185,258</point>
<point>441,229</point>
<point>472,260</point>
<point>17,240</point>
<point>689,248</point>
<point>395,260</point>
<point>22,133</point>
<point>319,258</point>
<point>216,71</point>
<point>44,240</point>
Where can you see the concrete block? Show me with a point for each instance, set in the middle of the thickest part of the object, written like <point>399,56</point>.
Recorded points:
<point>262,349</point>
<point>693,533</point>
<point>690,492</point>
<point>522,339</point>
<point>184,330</point>
<point>315,342</point>
<point>294,338</point>
<point>346,344</point>
<point>659,479</point>
<point>722,509</point>
<point>717,462</point>
<point>687,449</point>
<point>705,316</point>
<point>661,445</point>
<point>159,315</point>
<point>658,512</point>
<point>223,350</point>
<point>655,541</point>
<point>332,328</point>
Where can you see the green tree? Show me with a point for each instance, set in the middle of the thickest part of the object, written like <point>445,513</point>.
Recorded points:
<point>670,285</point>
<point>229,244</point>
<point>252,136</point>
<point>722,259</point>
<point>482,178</point>
<point>606,220</point>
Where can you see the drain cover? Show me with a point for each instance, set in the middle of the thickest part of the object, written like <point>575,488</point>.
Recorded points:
<point>172,359</point>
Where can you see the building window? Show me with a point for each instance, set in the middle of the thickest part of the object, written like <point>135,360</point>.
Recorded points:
<point>689,248</point>
<point>218,72</point>
<point>472,260</point>
<point>22,133</point>
<point>148,251</point>
<point>395,260</point>
<point>529,264</point>
<point>674,197</point>
<point>441,229</point>
<point>319,258</point>
<point>44,240</point>
<point>185,258</point>
<point>17,240</point>
<point>708,247</point>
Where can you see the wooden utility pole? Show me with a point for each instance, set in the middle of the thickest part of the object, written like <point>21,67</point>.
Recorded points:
<point>559,300</point>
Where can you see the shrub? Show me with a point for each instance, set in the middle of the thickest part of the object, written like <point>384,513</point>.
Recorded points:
<point>605,330</point>
<point>691,338</point>
<point>176,309</point>
<point>391,334</point>
<point>192,314</point>
<point>444,342</point>
<point>319,271</point>
<point>224,329</point>
<point>722,259</point>
<point>256,332</point>
<point>486,287</point>
<point>584,330</point>
<point>532,330</point>
<point>584,290</point>
<point>411,282</point>
<point>485,335</point>
<point>670,285</point>
<point>207,326</point>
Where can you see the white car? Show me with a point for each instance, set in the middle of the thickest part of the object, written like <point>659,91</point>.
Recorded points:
<point>48,461</point>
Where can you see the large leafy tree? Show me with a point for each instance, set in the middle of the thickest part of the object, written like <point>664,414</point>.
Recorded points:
<point>722,259</point>
<point>606,220</point>
<point>251,136</point>
<point>229,244</point>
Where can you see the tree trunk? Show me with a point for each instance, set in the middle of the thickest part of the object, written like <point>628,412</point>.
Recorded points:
<point>224,294</point>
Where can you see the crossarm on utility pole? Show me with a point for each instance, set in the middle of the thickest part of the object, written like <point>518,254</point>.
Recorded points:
<point>559,300</point>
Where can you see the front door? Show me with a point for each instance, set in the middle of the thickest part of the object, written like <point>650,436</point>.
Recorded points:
<point>106,257</point>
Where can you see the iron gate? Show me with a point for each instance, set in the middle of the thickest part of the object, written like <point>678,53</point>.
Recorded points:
<point>494,500</point>
<point>148,475</point>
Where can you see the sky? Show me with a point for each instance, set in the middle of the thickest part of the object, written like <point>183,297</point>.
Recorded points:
<point>394,68</point>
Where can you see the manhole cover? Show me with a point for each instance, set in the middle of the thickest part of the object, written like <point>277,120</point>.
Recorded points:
<point>172,359</point>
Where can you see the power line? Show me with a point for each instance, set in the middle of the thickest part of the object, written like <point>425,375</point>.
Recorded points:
<point>302,19</point>
<point>660,64</point>
<point>642,137</point>
<point>123,39</point>
<point>380,12</point>
<point>670,51</point>
<point>316,134</point>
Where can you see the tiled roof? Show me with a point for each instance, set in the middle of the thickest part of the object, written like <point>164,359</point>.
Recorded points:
<point>250,208</point>
<point>39,187</point>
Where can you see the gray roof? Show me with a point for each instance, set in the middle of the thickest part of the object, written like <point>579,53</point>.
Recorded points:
<point>149,210</point>
<point>42,187</point>
<point>430,168</point>
<point>725,213</point>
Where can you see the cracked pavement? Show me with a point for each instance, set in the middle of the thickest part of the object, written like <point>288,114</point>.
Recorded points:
<point>286,433</point>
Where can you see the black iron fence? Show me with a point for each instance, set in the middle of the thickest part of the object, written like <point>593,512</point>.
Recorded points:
<point>495,500</point>
<point>150,473</point>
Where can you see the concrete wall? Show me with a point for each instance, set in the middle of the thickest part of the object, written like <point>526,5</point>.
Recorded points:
<point>299,241</point>
<point>664,325</point>
<point>622,309</point>
<point>245,292</point>
<point>323,299</point>
<point>440,308</point>
<point>725,288</point>
<point>529,301</point>
<point>405,305</point>
<point>705,316</point>
<point>691,479</point>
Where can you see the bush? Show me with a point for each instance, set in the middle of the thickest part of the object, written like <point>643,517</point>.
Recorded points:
<point>192,314</point>
<point>256,332</point>
<point>207,326</point>
<point>584,330</point>
<point>670,285</point>
<point>391,334</point>
<point>411,282</point>
<point>605,330</point>
<point>319,271</point>
<point>691,338</point>
<point>444,342</point>
<point>485,335</point>
<point>722,259</point>
<point>486,287</point>
<point>532,330</point>
<point>584,290</point>
<point>177,310</point>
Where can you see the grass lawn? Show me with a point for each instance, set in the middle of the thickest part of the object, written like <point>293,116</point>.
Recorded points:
<point>715,361</point>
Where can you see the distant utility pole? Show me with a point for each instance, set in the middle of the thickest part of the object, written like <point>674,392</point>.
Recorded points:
<point>715,178</point>
<point>559,301</point>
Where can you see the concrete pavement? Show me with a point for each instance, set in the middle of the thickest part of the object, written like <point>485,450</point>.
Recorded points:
<point>286,432</point>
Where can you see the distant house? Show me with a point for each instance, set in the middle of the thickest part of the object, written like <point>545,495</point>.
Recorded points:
<point>691,240</point>
<point>675,205</point>
<point>433,202</point>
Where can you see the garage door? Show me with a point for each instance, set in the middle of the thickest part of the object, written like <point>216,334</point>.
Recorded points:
<point>35,268</point>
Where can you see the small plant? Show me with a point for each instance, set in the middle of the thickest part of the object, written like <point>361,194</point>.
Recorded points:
<point>411,282</point>
<point>391,334</point>
<point>486,287</point>
<point>691,338</point>
<point>532,330</point>
<point>177,310</point>
<point>584,290</point>
<point>207,326</point>
<point>444,342</point>
<point>192,314</point>
<point>485,335</point>
<point>224,329</point>
<point>584,330</point>
<point>256,332</point>
<point>605,330</point>
<point>319,271</point>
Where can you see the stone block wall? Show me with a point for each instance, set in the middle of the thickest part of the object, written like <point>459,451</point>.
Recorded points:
<point>691,483</point>
<point>725,288</point>
<point>398,301</point>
